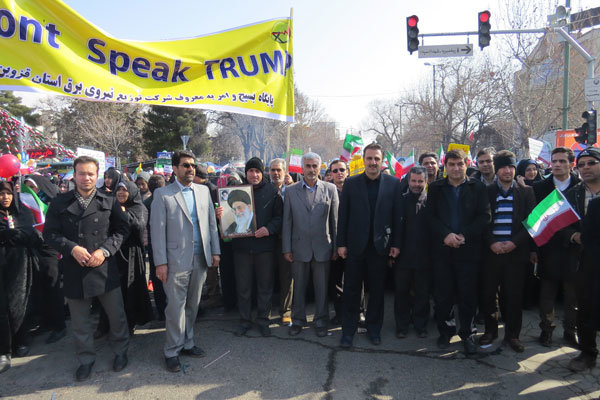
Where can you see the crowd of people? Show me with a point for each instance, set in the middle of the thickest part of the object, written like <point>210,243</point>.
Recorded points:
<point>456,238</point>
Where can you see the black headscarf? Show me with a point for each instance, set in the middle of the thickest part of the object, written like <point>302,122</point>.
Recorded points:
<point>45,185</point>
<point>134,207</point>
<point>522,167</point>
<point>13,208</point>
<point>115,175</point>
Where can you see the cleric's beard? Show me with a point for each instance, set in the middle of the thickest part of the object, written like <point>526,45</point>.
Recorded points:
<point>243,221</point>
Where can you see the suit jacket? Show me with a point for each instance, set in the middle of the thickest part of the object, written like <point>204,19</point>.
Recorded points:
<point>354,218</point>
<point>310,230</point>
<point>102,224</point>
<point>523,203</point>
<point>172,230</point>
<point>474,218</point>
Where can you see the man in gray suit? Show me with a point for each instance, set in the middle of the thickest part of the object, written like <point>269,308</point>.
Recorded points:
<point>184,243</point>
<point>309,228</point>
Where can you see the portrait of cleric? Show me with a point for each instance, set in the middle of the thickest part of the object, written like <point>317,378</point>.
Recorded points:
<point>238,211</point>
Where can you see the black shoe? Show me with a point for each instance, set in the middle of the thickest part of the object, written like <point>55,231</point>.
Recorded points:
<point>374,339</point>
<point>295,330</point>
<point>571,339</point>
<point>346,342</point>
<point>264,330</point>
<point>83,372</point>
<point>4,363</point>
<point>173,364</point>
<point>21,351</point>
<point>321,331</point>
<point>422,334</point>
<point>443,342</point>
<point>582,362</point>
<point>120,362</point>
<point>546,338</point>
<point>55,336</point>
<point>336,321</point>
<point>488,338</point>
<point>193,352</point>
<point>241,330</point>
<point>401,334</point>
<point>515,344</point>
<point>470,346</point>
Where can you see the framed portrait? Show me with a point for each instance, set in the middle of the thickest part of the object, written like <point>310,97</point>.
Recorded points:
<point>239,219</point>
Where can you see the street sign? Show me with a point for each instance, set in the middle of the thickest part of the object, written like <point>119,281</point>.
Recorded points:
<point>446,50</point>
<point>592,89</point>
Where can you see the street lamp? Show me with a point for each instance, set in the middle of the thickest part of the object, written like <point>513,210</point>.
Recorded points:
<point>185,139</point>
<point>433,67</point>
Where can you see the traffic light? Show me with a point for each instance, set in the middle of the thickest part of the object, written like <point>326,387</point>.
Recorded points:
<point>484,29</point>
<point>592,130</point>
<point>412,33</point>
<point>583,132</point>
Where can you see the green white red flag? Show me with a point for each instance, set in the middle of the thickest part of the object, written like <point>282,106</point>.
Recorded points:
<point>352,145</point>
<point>408,163</point>
<point>295,161</point>
<point>30,200</point>
<point>441,155</point>
<point>551,215</point>
<point>393,164</point>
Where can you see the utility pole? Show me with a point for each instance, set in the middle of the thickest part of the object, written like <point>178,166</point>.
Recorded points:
<point>567,59</point>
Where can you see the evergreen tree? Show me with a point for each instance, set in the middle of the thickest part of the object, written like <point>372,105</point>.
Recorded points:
<point>12,104</point>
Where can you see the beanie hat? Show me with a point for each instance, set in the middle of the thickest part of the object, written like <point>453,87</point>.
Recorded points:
<point>589,152</point>
<point>503,161</point>
<point>144,175</point>
<point>255,162</point>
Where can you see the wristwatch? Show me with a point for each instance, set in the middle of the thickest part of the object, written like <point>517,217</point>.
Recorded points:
<point>105,252</point>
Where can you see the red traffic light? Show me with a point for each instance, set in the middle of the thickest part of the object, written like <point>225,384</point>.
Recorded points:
<point>484,16</point>
<point>412,21</point>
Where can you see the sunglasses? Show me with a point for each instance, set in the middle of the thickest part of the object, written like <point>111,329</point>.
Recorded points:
<point>187,165</point>
<point>587,164</point>
<point>335,171</point>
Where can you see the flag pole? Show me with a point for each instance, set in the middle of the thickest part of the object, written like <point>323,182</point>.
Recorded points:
<point>289,124</point>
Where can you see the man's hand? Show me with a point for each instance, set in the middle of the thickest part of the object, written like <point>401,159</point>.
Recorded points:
<point>461,239</point>
<point>161,272</point>
<point>288,257</point>
<point>496,247</point>
<point>452,240</point>
<point>215,260</point>
<point>96,259</point>
<point>219,212</point>
<point>394,252</point>
<point>576,238</point>
<point>533,257</point>
<point>508,246</point>
<point>262,232</point>
<point>81,255</point>
<point>343,252</point>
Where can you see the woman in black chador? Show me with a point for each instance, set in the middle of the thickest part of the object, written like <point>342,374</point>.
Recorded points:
<point>132,266</point>
<point>17,238</point>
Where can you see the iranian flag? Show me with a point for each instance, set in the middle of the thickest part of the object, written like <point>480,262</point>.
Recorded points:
<point>352,145</point>
<point>441,155</point>
<point>408,163</point>
<point>295,161</point>
<point>393,164</point>
<point>551,215</point>
<point>37,207</point>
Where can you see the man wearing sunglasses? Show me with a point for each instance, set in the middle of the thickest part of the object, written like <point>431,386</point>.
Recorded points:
<point>583,259</point>
<point>185,243</point>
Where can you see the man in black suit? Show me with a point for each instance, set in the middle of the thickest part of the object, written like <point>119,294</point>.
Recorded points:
<point>555,269</point>
<point>88,227</point>
<point>368,225</point>
<point>458,212</point>
<point>508,250</point>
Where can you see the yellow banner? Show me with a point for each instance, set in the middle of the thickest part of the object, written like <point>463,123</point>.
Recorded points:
<point>456,146</point>
<point>47,46</point>
<point>357,165</point>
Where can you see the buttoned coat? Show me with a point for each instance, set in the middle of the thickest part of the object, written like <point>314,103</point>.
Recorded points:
<point>102,224</point>
<point>309,230</point>
<point>172,230</point>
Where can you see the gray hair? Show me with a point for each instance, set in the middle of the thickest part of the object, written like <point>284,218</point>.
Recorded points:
<point>279,161</point>
<point>310,156</point>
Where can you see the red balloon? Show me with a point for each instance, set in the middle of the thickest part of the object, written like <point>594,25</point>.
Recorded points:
<point>9,165</point>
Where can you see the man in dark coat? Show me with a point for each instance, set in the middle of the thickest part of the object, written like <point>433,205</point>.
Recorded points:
<point>507,253</point>
<point>412,268</point>
<point>368,225</point>
<point>584,259</point>
<point>458,213</point>
<point>554,268</point>
<point>87,227</point>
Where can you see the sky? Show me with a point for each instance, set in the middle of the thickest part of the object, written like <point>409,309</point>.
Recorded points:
<point>347,53</point>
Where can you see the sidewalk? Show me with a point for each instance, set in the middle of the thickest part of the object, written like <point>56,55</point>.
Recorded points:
<point>305,367</point>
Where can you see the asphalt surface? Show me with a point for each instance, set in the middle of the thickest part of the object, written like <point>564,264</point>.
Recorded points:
<point>305,367</point>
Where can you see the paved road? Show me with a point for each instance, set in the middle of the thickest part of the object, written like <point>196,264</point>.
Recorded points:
<point>305,367</point>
